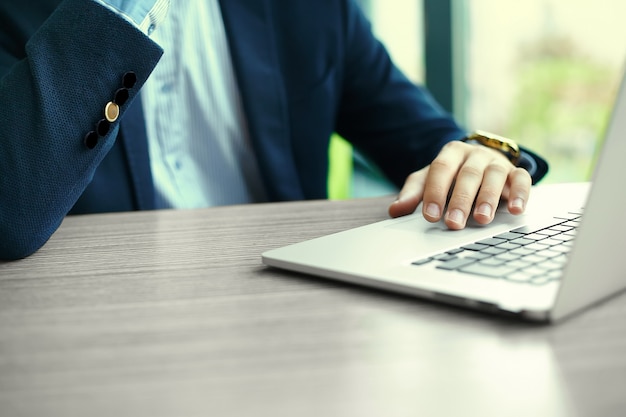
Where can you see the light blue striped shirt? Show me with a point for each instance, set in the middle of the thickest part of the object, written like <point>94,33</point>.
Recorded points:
<point>200,152</point>
<point>145,14</point>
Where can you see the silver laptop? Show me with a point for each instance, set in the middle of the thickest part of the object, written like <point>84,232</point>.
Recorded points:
<point>561,256</point>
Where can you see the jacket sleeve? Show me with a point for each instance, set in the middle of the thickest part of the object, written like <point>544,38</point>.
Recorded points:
<point>394,122</point>
<point>58,72</point>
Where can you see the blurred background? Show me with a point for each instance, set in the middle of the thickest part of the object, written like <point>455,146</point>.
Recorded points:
<point>543,72</point>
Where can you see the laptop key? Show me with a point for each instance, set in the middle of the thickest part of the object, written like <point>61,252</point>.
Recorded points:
<point>537,246</point>
<point>548,253</point>
<point>535,236</point>
<point>550,265</point>
<point>475,246</point>
<point>509,235</point>
<point>535,270</point>
<point>564,237</point>
<point>562,228</point>
<point>533,258</point>
<point>532,254</point>
<point>554,275</point>
<point>478,255</point>
<point>422,261</point>
<point>507,246</point>
<point>492,250</point>
<point>521,251</point>
<point>518,264</point>
<point>444,257</point>
<point>487,271</point>
<point>561,248</point>
<point>540,280</point>
<point>551,241</point>
<point>519,276</point>
<point>493,261</point>
<point>548,232</point>
<point>507,256</point>
<point>491,241</point>
<point>454,251</point>
<point>523,241</point>
<point>456,263</point>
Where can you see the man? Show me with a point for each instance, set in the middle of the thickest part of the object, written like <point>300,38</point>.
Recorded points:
<point>240,110</point>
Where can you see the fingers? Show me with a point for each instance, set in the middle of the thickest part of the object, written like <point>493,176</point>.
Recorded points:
<point>518,190</point>
<point>410,195</point>
<point>493,183</point>
<point>479,177</point>
<point>471,179</point>
<point>441,175</point>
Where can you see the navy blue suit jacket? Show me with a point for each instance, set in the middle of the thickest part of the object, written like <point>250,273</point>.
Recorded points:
<point>305,69</point>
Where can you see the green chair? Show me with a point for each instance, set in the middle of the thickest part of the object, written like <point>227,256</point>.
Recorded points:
<point>351,175</point>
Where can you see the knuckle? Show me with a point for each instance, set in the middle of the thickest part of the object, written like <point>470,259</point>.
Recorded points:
<point>441,164</point>
<point>435,192</point>
<point>521,178</point>
<point>490,194</point>
<point>499,169</point>
<point>462,200</point>
<point>455,144</point>
<point>471,171</point>
<point>521,173</point>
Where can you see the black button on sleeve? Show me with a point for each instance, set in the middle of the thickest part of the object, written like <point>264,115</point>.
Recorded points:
<point>129,79</point>
<point>102,127</point>
<point>91,139</point>
<point>121,95</point>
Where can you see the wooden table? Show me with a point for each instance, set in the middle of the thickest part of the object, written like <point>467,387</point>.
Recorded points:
<point>171,313</point>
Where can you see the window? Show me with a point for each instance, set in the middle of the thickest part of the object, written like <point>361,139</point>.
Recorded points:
<point>543,72</point>
<point>399,25</point>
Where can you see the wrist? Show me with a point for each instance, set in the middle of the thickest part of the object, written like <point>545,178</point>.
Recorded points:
<point>508,147</point>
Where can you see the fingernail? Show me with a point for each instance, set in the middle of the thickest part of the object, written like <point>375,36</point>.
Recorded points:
<point>484,210</point>
<point>456,216</point>
<point>433,210</point>
<point>518,203</point>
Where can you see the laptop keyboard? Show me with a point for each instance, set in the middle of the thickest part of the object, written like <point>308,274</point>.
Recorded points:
<point>534,254</point>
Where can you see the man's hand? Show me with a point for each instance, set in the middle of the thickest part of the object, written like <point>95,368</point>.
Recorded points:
<point>473,176</point>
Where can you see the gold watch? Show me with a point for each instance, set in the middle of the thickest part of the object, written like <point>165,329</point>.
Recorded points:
<point>507,146</point>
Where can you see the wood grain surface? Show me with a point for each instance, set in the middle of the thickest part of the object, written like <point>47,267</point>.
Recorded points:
<point>171,313</point>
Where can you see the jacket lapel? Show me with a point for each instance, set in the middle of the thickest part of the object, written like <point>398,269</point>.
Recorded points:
<point>249,31</point>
